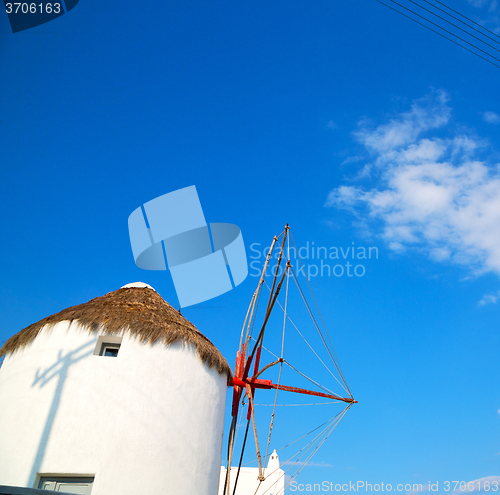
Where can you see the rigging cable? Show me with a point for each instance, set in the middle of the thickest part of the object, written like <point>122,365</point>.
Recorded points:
<point>300,438</point>
<point>302,374</point>
<point>335,361</point>
<point>231,437</point>
<point>320,333</point>
<point>314,440</point>
<point>315,353</point>
<point>320,441</point>
<point>242,450</point>
<point>281,364</point>
<point>316,449</point>
<point>250,319</point>
<point>273,296</point>
<point>305,448</point>
<point>241,457</point>
<point>259,292</point>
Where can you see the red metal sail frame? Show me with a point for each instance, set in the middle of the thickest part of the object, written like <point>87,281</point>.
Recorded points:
<point>239,383</point>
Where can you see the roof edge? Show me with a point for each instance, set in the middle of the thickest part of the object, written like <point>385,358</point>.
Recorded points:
<point>138,311</point>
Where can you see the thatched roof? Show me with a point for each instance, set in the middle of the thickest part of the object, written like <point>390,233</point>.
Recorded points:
<point>140,311</point>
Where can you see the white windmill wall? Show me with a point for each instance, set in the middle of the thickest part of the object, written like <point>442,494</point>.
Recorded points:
<point>147,421</point>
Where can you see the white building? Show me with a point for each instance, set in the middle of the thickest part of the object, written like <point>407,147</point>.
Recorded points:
<point>117,396</point>
<point>248,482</point>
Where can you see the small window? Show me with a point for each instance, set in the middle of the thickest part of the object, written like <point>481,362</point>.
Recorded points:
<point>78,485</point>
<point>110,350</point>
<point>108,345</point>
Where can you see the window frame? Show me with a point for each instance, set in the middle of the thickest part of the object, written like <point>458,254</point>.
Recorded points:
<point>58,480</point>
<point>108,345</point>
<point>107,342</point>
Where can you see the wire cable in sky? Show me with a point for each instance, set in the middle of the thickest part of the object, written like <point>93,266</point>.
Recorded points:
<point>445,30</point>
<point>440,34</point>
<point>465,17</point>
<point>454,25</point>
<point>459,20</point>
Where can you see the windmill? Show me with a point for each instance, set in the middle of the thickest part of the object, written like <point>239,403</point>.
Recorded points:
<point>249,365</point>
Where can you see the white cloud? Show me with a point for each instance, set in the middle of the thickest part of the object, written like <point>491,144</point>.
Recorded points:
<point>491,117</point>
<point>488,15</point>
<point>491,5</point>
<point>331,125</point>
<point>308,464</point>
<point>352,159</point>
<point>431,192</point>
<point>479,3</point>
<point>427,113</point>
<point>490,299</point>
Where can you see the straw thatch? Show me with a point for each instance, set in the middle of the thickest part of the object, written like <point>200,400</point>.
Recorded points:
<point>142,312</point>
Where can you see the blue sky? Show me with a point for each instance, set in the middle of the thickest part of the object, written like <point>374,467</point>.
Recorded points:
<point>347,121</point>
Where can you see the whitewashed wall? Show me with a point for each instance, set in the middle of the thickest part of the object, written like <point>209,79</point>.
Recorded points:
<point>148,421</point>
<point>248,483</point>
